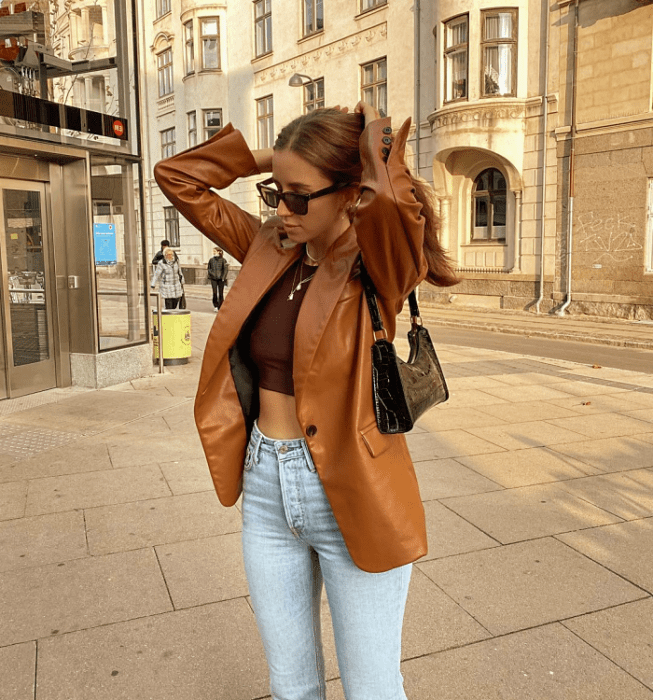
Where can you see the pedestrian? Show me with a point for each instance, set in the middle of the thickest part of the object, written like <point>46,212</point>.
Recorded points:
<point>218,269</point>
<point>158,256</point>
<point>170,278</point>
<point>284,405</point>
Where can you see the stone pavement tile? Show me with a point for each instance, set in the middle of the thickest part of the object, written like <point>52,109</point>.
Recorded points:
<point>547,663</point>
<point>644,399</point>
<point>536,465</point>
<point>519,436</point>
<point>611,454</point>
<point>526,412</point>
<point>433,621</point>
<point>626,494</point>
<point>594,388</point>
<point>472,398</point>
<point>480,382</point>
<point>125,451</point>
<point>448,418</point>
<point>208,653</point>
<point>91,489</point>
<point>180,422</point>
<point>13,496</point>
<point>528,512</point>
<point>187,476</point>
<point>152,426</point>
<point>603,425</point>
<point>441,478</point>
<point>45,539</point>
<point>524,585</point>
<point>623,634</point>
<point>18,671</point>
<point>204,571</point>
<point>79,456</point>
<point>449,534</point>
<point>448,443</point>
<point>645,414</point>
<point>527,393</point>
<point>622,548</point>
<point>58,598</point>
<point>145,523</point>
<point>528,378</point>
<point>599,403</point>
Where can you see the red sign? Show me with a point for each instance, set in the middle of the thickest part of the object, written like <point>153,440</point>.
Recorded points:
<point>118,128</point>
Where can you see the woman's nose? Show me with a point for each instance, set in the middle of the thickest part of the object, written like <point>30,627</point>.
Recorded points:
<point>282,209</point>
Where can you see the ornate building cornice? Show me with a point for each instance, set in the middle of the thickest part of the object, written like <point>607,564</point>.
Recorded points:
<point>304,62</point>
<point>478,113</point>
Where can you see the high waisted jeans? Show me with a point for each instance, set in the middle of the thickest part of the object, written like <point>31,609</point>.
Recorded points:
<point>291,543</point>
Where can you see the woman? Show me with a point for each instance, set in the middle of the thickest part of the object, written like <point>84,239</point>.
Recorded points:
<point>170,278</point>
<point>284,403</point>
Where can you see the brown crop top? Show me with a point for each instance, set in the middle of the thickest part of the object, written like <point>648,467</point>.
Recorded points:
<point>273,330</point>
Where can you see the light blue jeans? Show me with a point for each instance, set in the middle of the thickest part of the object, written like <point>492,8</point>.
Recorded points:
<point>291,543</point>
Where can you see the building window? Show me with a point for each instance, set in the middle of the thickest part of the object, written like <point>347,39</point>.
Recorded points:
<point>171,222</point>
<point>162,7</point>
<point>265,122</point>
<point>263,26</point>
<point>168,145</point>
<point>210,38</point>
<point>192,129</point>
<point>313,16</point>
<point>375,86</point>
<point>189,43</point>
<point>499,52</point>
<point>456,58</point>
<point>371,4</point>
<point>164,64</point>
<point>212,122</point>
<point>314,95</point>
<point>489,206</point>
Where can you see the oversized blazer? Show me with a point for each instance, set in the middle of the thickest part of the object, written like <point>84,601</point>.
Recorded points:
<point>368,476</point>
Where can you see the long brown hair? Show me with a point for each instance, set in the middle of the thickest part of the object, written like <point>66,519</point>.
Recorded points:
<point>328,139</point>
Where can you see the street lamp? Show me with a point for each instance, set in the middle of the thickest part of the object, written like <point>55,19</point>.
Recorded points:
<point>297,80</point>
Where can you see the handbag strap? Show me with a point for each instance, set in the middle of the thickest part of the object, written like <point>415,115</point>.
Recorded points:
<point>372,305</point>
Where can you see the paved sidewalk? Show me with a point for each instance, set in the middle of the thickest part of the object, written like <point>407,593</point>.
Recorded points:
<point>121,576</point>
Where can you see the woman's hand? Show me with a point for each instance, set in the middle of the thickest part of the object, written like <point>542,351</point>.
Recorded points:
<point>369,113</point>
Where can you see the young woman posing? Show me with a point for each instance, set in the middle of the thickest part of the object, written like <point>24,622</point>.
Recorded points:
<point>284,404</point>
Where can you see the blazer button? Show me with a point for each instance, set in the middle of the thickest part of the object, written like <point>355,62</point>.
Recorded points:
<point>311,430</point>
<point>387,130</point>
<point>387,139</point>
<point>385,151</point>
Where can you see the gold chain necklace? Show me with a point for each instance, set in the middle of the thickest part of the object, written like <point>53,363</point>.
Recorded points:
<point>298,285</point>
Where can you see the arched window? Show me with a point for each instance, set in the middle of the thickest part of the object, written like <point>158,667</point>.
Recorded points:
<point>489,206</point>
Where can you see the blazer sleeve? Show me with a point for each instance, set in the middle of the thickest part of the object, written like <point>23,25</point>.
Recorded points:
<point>388,221</point>
<point>189,179</point>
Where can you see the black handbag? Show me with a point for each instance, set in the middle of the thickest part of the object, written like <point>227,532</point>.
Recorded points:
<point>403,391</point>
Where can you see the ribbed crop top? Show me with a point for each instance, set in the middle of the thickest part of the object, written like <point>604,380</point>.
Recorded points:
<point>273,330</point>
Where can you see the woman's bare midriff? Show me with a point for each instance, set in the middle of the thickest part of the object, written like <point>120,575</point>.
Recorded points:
<point>277,417</point>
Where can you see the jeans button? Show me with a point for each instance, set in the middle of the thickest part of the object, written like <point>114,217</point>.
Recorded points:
<point>283,449</point>
<point>311,430</point>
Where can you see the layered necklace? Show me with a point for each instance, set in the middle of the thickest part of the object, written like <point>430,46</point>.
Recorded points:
<point>296,286</point>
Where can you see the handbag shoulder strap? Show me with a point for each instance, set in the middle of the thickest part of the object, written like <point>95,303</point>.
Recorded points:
<point>372,305</point>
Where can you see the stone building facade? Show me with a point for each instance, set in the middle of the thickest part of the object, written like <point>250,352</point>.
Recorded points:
<point>205,64</point>
<point>541,128</point>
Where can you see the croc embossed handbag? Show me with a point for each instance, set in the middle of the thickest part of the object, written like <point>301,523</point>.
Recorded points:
<point>403,391</point>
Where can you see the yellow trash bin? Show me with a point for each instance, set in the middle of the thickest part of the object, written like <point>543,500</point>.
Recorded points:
<point>176,336</point>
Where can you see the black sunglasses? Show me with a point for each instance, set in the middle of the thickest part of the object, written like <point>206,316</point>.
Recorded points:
<point>296,203</point>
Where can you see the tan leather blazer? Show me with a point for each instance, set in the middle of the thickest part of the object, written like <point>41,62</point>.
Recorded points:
<point>368,477</point>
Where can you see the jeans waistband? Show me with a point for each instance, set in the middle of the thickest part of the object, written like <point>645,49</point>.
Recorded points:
<point>284,449</point>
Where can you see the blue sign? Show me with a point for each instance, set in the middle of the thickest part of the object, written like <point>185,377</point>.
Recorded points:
<point>104,236</point>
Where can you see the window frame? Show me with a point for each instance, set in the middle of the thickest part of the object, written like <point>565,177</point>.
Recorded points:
<point>450,51</point>
<point>191,121</point>
<point>165,73</point>
<point>513,41</point>
<point>373,6</point>
<point>313,4</point>
<point>266,118</point>
<point>189,47</point>
<point>316,102</point>
<point>207,37</point>
<point>375,84</point>
<point>168,138</point>
<point>490,196</point>
<point>265,22</point>
<point>210,131</point>
<point>171,226</point>
<point>163,7</point>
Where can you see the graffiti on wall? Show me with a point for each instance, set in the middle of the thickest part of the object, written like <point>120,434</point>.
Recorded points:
<point>614,239</point>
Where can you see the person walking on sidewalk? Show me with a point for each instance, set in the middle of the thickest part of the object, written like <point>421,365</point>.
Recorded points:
<point>158,256</point>
<point>218,269</point>
<point>284,405</point>
<point>170,278</point>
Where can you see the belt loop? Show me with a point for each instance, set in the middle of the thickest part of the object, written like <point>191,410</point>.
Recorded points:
<point>257,446</point>
<point>309,457</point>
